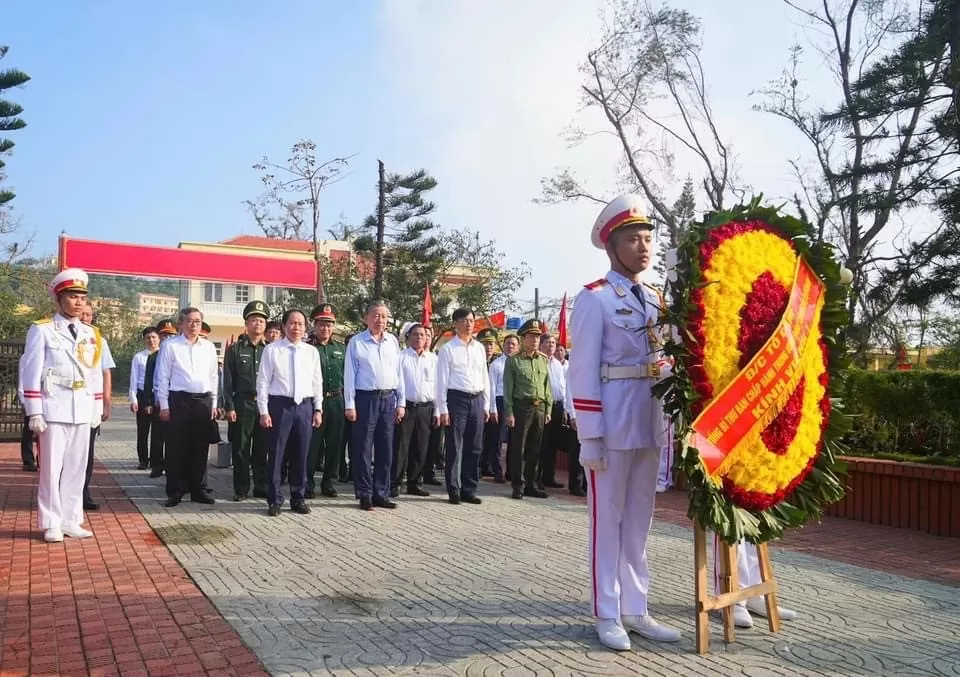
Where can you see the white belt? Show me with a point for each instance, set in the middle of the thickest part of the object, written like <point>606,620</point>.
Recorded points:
<point>65,381</point>
<point>609,372</point>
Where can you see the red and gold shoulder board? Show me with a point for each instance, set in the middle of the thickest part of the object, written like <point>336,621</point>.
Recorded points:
<point>596,284</point>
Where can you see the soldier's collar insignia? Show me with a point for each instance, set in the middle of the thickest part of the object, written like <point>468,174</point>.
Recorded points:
<point>619,289</point>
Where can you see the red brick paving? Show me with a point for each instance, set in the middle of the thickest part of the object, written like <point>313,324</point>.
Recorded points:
<point>913,554</point>
<point>115,604</point>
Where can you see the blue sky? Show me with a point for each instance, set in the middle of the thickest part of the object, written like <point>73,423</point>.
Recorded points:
<point>144,124</point>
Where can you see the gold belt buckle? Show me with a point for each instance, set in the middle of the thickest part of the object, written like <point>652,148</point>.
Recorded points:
<point>77,385</point>
<point>654,370</point>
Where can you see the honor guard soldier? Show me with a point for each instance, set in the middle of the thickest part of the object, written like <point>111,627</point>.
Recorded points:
<point>158,436</point>
<point>326,445</point>
<point>248,441</point>
<point>613,368</point>
<point>527,402</point>
<point>62,381</point>
<point>138,396</point>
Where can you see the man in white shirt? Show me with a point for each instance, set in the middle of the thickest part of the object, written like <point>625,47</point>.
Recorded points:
<point>102,406</point>
<point>374,402</point>
<point>553,432</point>
<point>290,401</point>
<point>493,443</point>
<point>463,402</point>
<point>418,366</point>
<point>187,385</point>
<point>138,398</point>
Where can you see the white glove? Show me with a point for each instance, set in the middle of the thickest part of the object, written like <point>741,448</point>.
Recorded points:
<point>592,455</point>
<point>37,424</point>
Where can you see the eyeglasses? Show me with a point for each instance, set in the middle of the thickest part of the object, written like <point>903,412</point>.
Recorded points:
<point>193,322</point>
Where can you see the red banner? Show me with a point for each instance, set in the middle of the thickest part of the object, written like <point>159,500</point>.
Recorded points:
<point>114,258</point>
<point>758,393</point>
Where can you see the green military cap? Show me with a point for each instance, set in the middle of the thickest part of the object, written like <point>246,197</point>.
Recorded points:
<point>530,327</point>
<point>256,308</point>
<point>166,328</point>
<point>487,335</point>
<point>324,311</point>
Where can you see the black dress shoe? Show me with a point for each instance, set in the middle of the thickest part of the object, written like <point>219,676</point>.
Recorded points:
<point>274,510</point>
<point>433,482</point>
<point>90,505</point>
<point>395,492</point>
<point>417,491</point>
<point>500,480</point>
<point>156,472</point>
<point>141,466</point>
<point>204,499</point>
<point>534,492</point>
<point>29,467</point>
<point>366,504</point>
<point>300,508</point>
<point>470,498</point>
<point>552,484</point>
<point>454,499</point>
<point>329,492</point>
<point>259,493</point>
<point>239,497</point>
<point>380,502</point>
<point>517,494</point>
<point>309,493</point>
<point>172,502</point>
<point>578,492</point>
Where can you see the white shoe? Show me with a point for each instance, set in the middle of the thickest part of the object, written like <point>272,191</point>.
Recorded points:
<point>53,536</point>
<point>74,531</point>
<point>612,635</point>
<point>759,607</point>
<point>649,628</point>
<point>661,489</point>
<point>742,617</point>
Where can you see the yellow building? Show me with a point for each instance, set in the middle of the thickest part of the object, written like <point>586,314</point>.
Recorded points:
<point>151,307</point>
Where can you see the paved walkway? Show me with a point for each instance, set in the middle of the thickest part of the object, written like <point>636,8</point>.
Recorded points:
<point>433,589</point>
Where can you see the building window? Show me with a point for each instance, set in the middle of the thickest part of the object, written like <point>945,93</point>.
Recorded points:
<point>213,292</point>
<point>219,346</point>
<point>243,293</point>
<point>275,295</point>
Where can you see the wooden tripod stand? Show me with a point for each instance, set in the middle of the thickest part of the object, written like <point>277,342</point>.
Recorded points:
<point>730,592</point>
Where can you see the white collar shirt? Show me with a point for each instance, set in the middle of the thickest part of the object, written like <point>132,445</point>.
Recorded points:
<point>419,375</point>
<point>558,379</point>
<point>138,372</point>
<point>372,365</point>
<point>462,366</point>
<point>186,367</point>
<point>496,379</point>
<point>291,370</point>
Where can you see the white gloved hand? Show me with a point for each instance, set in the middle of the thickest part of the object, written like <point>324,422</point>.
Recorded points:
<point>37,423</point>
<point>592,455</point>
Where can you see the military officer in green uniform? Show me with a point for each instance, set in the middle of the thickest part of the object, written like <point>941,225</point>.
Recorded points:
<point>248,440</point>
<point>326,445</point>
<point>527,401</point>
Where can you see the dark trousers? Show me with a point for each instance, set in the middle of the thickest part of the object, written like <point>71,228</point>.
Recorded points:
<point>371,443</point>
<point>189,444</point>
<point>326,445</point>
<point>143,429</point>
<point>553,439</point>
<point>27,454</point>
<point>434,454</point>
<point>160,430</point>
<point>289,438</point>
<point>248,448</point>
<point>94,434</point>
<point>578,478</point>
<point>346,472</point>
<point>492,436</point>
<point>464,441</point>
<point>413,438</point>
<point>526,439</point>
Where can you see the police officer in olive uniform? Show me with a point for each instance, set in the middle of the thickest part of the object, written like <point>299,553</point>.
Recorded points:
<point>248,440</point>
<point>326,444</point>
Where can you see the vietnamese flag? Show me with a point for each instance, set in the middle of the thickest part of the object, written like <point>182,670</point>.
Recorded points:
<point>427,307</point>
<point>562,323</point>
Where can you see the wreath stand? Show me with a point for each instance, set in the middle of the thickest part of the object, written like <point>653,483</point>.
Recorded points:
<point>730,592</point>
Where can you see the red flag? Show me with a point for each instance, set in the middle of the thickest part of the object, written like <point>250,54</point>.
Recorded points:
<point>562,323</point>
<point>427,308</point>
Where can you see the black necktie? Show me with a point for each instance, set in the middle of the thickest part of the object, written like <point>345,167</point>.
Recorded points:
<point>73,330</point>
<point>639,294</point>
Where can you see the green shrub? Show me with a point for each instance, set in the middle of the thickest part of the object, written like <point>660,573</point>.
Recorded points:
<point>904,414</point>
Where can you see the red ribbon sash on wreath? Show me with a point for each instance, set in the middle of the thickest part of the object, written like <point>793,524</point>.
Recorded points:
<point>759,392</point>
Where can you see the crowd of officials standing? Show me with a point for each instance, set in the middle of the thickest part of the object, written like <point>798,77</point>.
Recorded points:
<point>307,412</point>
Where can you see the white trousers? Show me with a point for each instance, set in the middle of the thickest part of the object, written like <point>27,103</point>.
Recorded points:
<point>63,469</point>
<point>665,472</point>
<point>620,506</point>
<point>748,565</point>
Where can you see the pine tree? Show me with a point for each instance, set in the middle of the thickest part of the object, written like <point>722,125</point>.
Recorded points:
<point>9,117</point>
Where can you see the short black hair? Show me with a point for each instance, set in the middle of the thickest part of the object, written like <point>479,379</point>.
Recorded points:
<point>291,311</point>
<point>149,330</point>
<point>274,324</point>
<point>461,313</point>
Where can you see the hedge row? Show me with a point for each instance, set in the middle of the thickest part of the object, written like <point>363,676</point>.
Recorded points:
<point>904,413</point>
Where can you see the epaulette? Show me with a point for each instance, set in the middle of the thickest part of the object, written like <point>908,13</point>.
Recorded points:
<point>45,320</point>
<point>596,284</point>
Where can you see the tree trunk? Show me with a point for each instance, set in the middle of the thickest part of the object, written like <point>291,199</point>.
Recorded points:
<point>381,229</point>
<point>321,291</point>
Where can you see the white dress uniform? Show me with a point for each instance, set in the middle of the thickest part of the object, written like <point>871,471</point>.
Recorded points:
<point>621,427</point>
<point>748,573</point>
<point>62,382</point>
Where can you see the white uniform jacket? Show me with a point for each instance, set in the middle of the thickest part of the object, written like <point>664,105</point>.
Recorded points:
<point>61,376</point>
<point>613,364</point>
